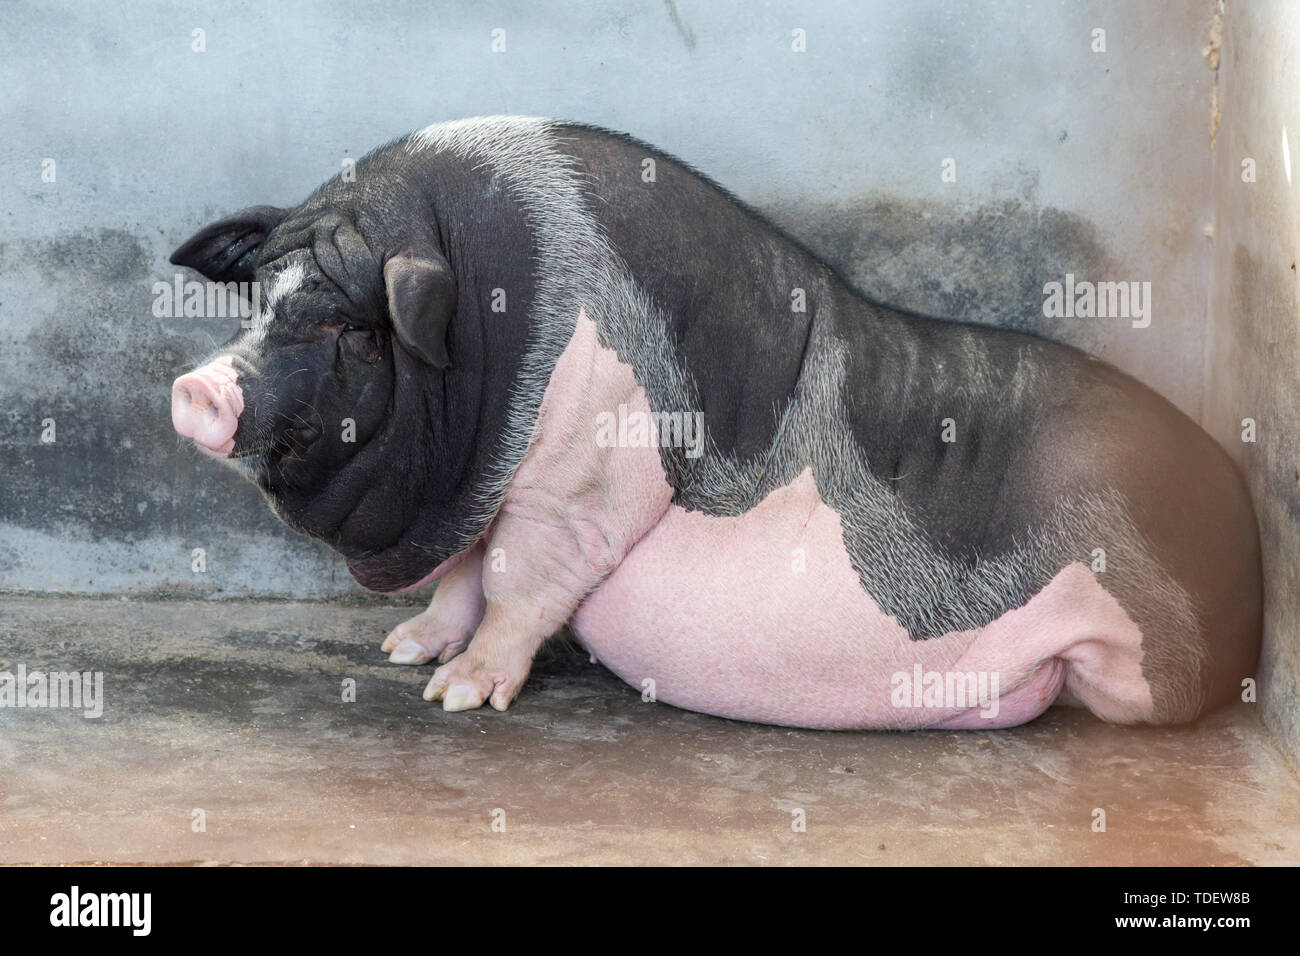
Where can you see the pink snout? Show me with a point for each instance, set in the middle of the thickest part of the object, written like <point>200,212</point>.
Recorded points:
<point>206,404</point>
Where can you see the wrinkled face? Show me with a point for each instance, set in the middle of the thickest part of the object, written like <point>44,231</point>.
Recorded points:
<point>296,398</point>
<point>324,401</point>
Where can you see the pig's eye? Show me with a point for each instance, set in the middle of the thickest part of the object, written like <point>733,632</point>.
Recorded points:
<point>363,343</point>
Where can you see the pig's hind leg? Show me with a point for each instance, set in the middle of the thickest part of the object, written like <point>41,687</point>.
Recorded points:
<point>445,629</point>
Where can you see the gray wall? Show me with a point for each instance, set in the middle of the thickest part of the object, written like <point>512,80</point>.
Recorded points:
<point>1067,161</point>
<point>1254,349</point>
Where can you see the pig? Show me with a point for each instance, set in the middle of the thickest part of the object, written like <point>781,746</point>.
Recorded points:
<point>504,357</point>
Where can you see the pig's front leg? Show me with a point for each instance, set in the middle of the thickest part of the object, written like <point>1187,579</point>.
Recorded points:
<point>445,629</point>
<point>536,573</point>
<point>576,506</point>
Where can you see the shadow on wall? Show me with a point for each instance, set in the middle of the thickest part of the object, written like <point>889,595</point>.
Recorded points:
<point>117,503</point>
<point>986,265</point>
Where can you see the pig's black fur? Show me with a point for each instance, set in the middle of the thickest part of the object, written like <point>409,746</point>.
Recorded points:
<point>398,500</point>
<point>408,494</point>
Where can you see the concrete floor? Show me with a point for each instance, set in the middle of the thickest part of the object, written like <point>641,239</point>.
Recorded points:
<point>235,708</point>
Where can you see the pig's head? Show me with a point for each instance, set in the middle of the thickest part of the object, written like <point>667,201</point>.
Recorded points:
<point>340,401</point>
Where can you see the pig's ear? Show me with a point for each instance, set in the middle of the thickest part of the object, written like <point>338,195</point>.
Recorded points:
<point>421,301</point>
<point>226,250</point>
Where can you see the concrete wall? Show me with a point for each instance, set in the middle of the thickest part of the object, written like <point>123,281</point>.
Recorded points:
<point>1254,348</point>
<point>1067,160</point>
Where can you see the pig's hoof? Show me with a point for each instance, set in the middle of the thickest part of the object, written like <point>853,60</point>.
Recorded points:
<point>420,640</point>
<point>465,684</point>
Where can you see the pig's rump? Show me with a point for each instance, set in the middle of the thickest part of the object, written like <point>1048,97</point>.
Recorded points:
<point>762,617</point>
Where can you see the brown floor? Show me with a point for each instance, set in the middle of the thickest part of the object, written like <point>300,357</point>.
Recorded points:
<point>235,708</point>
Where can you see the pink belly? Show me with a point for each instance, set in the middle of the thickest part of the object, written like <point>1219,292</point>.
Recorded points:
<point>762,617</point>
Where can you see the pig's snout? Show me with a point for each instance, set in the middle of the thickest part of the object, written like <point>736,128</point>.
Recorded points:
<point>206,404</point>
